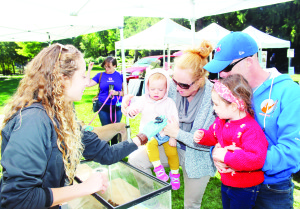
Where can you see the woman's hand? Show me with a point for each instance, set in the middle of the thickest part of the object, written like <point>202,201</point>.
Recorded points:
<point>114,93</point>
<point>137,141</point>
<point>172,142</point>
<point>125,103</point>
<point>172,128</point>
<point>198,135</point>
<point>97,182</point>
<point>90,66</point>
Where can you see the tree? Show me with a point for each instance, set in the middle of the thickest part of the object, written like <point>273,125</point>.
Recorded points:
<point>30,49</point>
<point>8,57</point>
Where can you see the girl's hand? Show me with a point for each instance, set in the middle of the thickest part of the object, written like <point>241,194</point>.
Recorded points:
<point>198,135</point>
<point>172,142</point>
<point>172,128</point>
<point>97,182</point>
<point>125,103</point>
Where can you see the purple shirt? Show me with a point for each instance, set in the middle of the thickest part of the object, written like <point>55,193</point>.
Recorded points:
<point>115,79</point>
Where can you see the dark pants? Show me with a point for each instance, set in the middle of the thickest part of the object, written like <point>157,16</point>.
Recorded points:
<point>276,196</point>
<point>239,198</point>
<point>104,116</point>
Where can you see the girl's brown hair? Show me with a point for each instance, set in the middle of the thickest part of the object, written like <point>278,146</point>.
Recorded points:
<point>240,88</point>
<point>44,82</point>
<point>195,59</point>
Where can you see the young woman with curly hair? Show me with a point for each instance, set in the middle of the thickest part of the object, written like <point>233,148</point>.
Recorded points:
<point>42,143</point>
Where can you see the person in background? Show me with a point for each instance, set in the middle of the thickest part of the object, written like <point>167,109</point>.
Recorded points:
<point>152,104</point>
<point>276,103</point>
<point>191,91</point>
<point>41,141</point>
<point>243,143</point>
<point>272,60</point>
<point>111,82</point>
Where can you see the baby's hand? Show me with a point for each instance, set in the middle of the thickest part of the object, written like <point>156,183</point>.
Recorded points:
<point>172,142</point>
<point>133,112</point>
<point>198,135</point>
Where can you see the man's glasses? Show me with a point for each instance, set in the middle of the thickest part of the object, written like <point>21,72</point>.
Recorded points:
<point>183,85</point>
<point>230,66</point>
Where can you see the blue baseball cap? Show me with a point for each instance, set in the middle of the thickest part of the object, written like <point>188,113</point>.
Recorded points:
<point>233,46</point>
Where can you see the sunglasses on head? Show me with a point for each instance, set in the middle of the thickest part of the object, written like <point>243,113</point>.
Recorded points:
<point>230,66</point>
<point>183,85</point>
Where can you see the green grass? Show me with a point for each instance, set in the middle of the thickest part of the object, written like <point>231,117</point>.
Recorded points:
<point>8,87</point>
<point>212,195</point>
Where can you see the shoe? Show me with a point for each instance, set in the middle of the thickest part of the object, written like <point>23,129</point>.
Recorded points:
<point>160,173</point>
<point>175,181</point>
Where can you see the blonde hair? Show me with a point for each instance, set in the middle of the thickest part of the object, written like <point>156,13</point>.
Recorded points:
<point>195,59</point>
<point>157,76</point>
<point>43,82</point>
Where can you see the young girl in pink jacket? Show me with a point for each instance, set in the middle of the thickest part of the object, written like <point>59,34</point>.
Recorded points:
<point>242,143</point>
<point>154,103</point>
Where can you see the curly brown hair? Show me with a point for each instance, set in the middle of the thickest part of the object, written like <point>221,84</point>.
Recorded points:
<point>240,88</point>
<point>195,59</point>
<point>44,83</point>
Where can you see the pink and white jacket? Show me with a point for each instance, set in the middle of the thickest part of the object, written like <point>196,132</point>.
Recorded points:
<point>150,108</point>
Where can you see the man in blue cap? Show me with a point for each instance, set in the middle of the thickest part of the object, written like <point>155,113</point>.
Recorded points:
<point>276,102</point>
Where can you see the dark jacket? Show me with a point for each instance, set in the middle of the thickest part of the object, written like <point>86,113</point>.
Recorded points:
<point>32,162</point>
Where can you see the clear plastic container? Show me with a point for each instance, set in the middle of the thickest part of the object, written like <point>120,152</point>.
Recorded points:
<point>128,188</point>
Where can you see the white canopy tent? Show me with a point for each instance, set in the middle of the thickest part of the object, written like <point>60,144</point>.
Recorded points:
<point>33,20</point>
<point>265,41</point>
<point>41,20</point>
<point>158,36</point>
<point>213,32</point>
<point>166,34</point>
<point>188,9</point>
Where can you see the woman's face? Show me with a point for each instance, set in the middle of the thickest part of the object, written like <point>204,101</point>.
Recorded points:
<point>109,68</point>
<point>184,76</point>
<point>75,86</point>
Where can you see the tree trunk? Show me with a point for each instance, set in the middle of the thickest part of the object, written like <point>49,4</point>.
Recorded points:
<point>13,66</point>
<point>105,50</point>
<point>3,68</point>
<point>136,53</point>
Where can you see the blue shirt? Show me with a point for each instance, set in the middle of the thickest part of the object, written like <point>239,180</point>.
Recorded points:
<point>115,79</point>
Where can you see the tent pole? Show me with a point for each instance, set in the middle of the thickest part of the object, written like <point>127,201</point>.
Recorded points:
<point>168,57</point>
<point>164,54</point>
<point>124,77</point>
<point>192,22</point>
